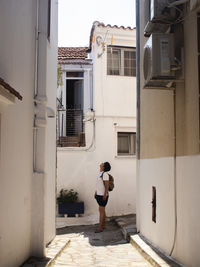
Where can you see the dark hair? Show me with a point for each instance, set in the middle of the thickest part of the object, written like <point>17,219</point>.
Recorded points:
<point>107,166</point>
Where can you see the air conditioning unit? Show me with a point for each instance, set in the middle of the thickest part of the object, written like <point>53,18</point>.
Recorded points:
<point>160,16</point>
<point>158,60</point>
<point>159,10</point>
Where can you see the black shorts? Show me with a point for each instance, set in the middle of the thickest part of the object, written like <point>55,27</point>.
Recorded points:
<point>100,200</point>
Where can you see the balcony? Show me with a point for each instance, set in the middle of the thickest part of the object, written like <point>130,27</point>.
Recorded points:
<point>70,128</point>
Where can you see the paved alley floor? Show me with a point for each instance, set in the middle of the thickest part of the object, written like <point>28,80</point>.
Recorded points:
<point>90,249</point>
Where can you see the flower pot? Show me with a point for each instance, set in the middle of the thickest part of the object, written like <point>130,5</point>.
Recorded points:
<point>71,208</point>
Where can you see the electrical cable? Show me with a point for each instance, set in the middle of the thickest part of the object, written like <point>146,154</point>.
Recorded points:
<point>93,138</point>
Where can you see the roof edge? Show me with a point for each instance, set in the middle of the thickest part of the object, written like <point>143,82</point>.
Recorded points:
<point>10,89</point>
<point>97,23</point>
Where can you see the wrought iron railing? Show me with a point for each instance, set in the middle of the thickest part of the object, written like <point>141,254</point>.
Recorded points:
<point>70,127</point>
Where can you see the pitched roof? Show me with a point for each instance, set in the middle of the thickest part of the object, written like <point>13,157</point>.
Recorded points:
<point>73,55</point>
<point>97,23</point>
<point>10,89</point>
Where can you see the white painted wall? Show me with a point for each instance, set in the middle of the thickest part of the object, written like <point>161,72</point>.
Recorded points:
<point>17,182</point>
<point>156,164</point>
<point>78,169</point>
<point>115,110</point>
<point>160,174</point>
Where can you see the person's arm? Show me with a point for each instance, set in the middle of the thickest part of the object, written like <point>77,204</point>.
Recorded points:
<point>106,183</point>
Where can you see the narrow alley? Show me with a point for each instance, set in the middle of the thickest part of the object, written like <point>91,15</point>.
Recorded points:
<point>106,249</point>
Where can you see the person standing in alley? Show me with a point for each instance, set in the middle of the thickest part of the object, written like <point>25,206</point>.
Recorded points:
<point>101,194</point>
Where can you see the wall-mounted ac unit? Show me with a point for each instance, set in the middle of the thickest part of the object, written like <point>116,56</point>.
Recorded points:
<point>160,16</point>
<point>159,10</point>
<point>158,60</point>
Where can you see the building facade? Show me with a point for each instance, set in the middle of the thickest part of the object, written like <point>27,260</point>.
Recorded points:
<point>109,123</point>
<point>28,56</point>
<point>168,127</point>
<point>74,96</point>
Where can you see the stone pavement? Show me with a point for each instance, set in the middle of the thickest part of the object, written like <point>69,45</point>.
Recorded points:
<point>105,249</point>
<point>147,250</point>
<point>80,246</point>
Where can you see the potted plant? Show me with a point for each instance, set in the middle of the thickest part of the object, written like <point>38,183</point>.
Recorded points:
<point>68,203</point>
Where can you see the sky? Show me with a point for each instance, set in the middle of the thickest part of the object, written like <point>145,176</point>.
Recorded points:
<point>75,18</point>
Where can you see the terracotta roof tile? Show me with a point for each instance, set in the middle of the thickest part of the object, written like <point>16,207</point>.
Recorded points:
<point>75,62</point>
<point>69,53</point>
<point>10,89</point>
<point>97,23</point>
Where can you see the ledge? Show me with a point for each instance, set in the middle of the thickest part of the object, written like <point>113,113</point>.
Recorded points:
<point>125,157</point>
<point>7,93</point>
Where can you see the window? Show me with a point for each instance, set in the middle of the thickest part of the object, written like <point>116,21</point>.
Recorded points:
<point>114,61</point>
<point>74,74</point>
<point>121,61</point>
<point>126,144</point>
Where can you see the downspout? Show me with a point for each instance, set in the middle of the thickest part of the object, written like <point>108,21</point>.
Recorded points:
<point>138,76</point>
<point>39,91</point>
<point>138,109</point>
<point>39,134</point>
<point>175,177</point>
<point>36,48</point>
<point>35,83</point>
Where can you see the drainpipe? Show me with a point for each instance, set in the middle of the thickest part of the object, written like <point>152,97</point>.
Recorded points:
<point>40,98</point>
<point>39,133</point>
<point>138,74</point>
<point>35,83</point>
<point>175,177</point>
<point>138,107</point>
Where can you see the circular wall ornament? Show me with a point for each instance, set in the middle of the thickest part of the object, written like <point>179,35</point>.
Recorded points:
<point>99,40</point>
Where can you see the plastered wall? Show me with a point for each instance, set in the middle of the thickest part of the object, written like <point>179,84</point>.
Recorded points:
<point>174,177</point>
<point>114,100</point>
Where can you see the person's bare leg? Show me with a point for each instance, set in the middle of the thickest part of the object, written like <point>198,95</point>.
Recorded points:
<point>104,219</point>
<point>101,218</point>
<point>102,213</point>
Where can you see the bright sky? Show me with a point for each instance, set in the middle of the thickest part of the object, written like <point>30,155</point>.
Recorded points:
<point>75,18</point>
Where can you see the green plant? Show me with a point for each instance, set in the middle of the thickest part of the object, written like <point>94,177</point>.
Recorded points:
<point>59,76</point>
<point>67,196</point>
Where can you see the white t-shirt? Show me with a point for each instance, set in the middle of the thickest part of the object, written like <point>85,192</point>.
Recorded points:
<point>100,188</point>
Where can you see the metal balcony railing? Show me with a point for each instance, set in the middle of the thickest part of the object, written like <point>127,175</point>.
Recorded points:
<point>70,127</point>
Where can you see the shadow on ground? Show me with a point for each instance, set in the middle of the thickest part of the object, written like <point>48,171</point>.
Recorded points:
<point>36,262</point>
<point>112,235</point>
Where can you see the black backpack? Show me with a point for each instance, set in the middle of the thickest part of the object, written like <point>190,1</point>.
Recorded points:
<point>111,181</point>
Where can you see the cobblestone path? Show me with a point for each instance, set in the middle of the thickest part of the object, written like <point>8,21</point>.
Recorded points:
<point>106,249</point>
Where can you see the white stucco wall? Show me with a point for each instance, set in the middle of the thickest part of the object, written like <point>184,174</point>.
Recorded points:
<point>78,169</point>
<point>188,198</point>
<point>160,174</point>
<point>17,46</point>
<point>17,67</point>
<point>115,110</point>
<point>156,166</point>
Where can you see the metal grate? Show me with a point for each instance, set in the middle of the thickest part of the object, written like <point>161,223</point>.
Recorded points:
<point>70,129</point>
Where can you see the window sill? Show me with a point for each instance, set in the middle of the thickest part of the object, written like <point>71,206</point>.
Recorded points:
<point>115,75</point>
<point>125,157</point>
<point>72,148</point>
